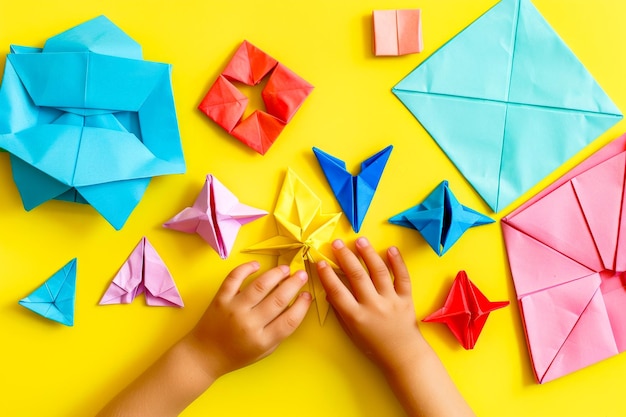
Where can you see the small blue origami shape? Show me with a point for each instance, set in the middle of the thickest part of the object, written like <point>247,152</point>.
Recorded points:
<point>507,101</point>
<point>354,193</point>
<point>54,299</point>
<point>87,120</point>
<point>440,218</point>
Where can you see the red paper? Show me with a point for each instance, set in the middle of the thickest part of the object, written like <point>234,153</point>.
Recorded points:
<point>465,311</point>
<point>283,95</point>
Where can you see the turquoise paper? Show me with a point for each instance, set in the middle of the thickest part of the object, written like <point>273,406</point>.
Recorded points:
<point>55,298</point>
<point>86,119</point>
<point>507,101</point>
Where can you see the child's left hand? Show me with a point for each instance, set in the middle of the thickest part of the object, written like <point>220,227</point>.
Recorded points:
<point>241,326</point>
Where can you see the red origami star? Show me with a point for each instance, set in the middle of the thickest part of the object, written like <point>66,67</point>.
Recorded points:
<point>465,311</point>
<point>283,95</point>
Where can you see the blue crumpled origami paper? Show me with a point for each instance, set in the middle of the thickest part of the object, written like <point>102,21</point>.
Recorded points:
<point>87,120</point>
<point>507,101</point>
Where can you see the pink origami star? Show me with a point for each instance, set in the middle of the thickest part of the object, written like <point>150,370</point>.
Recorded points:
<point>465,311</point>
<point>216,215</point>
<point>143,271</point>
<point>283,95</point>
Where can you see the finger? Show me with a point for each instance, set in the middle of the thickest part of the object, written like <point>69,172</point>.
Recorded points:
<point>377,268</point>
<point>258,289</point>
<point>359,279</point>
<point>290,319</point>
<point>402,278</point>
<point>232,283</point>
<point>337,293</point>
<point>278,300</point>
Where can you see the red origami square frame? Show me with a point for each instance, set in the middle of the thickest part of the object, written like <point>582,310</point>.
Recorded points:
<point>283,95</point>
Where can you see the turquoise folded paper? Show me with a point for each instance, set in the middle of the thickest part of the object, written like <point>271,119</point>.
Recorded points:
<point>87,120</point>
<point>507,101</point>
<point>55,298</point>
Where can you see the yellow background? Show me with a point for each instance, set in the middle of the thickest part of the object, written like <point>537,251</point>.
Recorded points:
<point>53,370</point>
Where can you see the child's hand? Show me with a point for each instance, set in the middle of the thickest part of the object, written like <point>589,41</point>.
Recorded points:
<point>377,311</point>
<point>241,326</point>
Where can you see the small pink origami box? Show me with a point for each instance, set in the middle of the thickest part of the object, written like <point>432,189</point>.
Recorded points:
<point>283,95</point>
<point>397,32</point>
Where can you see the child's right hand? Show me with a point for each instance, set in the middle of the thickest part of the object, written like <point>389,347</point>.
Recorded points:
<point>377,311</point>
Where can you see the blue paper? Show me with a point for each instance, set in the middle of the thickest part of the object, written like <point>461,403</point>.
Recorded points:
<point>86,119</point>
<point>354,193</point>
<point>507,101</point>
<point>55,298</point>
<point>440,219</point>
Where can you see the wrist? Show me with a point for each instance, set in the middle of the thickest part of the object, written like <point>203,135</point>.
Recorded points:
<point>408,355</point>
<point>194,354</point>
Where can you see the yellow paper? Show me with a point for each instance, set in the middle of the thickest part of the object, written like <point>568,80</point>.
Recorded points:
<point>302,231</point>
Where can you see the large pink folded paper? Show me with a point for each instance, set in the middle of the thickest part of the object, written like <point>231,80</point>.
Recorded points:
<point>143,271</point>
<point>216,215</point>
<point>566,249</point>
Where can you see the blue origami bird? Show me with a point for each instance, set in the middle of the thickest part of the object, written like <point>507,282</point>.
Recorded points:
<point>354,192</point>
<point>54,299</point>
<point>440,218</point>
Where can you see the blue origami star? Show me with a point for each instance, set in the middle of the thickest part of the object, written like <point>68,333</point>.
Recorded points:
<point>54,299</point>
<point>86,119</point>
<point>440,219</point>
<point>354,192</point>
<point>507,101</point>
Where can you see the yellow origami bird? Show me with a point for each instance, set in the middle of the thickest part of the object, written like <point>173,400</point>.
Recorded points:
<point>302,230</point>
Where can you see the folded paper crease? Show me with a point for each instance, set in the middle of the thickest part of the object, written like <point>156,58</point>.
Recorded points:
<point>507,101</point>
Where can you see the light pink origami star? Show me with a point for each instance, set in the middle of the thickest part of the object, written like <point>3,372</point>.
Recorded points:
<point>143,271</point>
<point>216,215</point>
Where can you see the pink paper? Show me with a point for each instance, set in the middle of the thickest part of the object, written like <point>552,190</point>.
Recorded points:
<point>143,271</point>
<point>564,253</point>
<point>216,215</point>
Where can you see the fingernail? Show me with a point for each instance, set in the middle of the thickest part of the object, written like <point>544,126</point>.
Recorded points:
<point>306,295</point>
<point>284,268</point>
<point>362,242</point>
<point>338,244</point>
<point>322,264</point>
<point>393,251</point>
<point>255,264</point>
<point>301,275</point>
